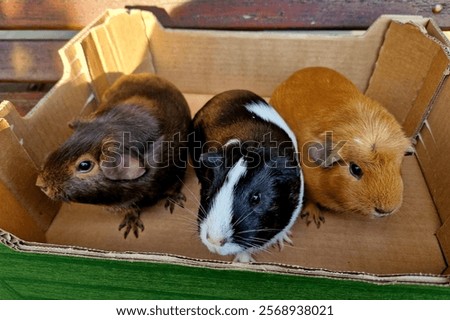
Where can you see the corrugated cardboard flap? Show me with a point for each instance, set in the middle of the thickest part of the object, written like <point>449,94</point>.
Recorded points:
<point>119,46</point>
<point>411,79</point>
<point>433,148</point>
<point>408,74</point>
<point>26,211</point>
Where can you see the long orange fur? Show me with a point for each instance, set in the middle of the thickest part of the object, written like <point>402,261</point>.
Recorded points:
<point>318,100</point>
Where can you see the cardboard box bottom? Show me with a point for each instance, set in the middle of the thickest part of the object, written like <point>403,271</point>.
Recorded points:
<point>404,243</point>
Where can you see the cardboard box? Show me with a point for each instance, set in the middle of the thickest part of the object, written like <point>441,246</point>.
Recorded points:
<point>401,61</point>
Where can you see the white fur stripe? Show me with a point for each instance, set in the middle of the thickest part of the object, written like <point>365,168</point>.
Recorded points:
<point>218,223</point>
<point>268,113</point>
<point>230,142</point>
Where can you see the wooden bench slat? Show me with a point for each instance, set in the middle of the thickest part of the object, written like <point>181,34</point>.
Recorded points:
<point>38,60</point>
<point>218,14</point>
<point>289,14</point>
<point>30,61</point>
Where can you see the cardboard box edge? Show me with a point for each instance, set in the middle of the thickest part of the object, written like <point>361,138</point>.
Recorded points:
<point>39,248</point>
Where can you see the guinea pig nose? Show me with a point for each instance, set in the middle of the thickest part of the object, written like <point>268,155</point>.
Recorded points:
<point>40,182</point>
<point>383,212</point>
<point>45,190</point>
<point>217,242</point>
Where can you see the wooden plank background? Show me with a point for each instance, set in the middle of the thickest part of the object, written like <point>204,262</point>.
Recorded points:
<point>37,60</point>
<point>234,14</point>
<point>30,60</point>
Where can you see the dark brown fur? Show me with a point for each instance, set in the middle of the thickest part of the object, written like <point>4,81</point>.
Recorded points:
<point>137,144</point>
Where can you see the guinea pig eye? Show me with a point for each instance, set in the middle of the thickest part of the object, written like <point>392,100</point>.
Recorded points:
<point>85,166</point>
<point>255,199</point>
<point>356,170</point>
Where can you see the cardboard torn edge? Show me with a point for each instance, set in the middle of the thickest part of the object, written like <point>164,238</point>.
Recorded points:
<point>432,144</point>
<point>436,32</point>
<point>432,102</point>
<point>73,251</point>
<point>433,32</point>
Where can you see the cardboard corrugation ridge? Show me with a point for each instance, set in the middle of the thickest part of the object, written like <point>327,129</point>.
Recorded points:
<point>9,240</point>
<point>118,46</point>
<point>405,58</point>
<point>99,82</point>
<point>26,211</point>
<point>433,147</point>
<point>434,31</point>
<point>42,248</point>
<point>430,90</point>
<point>440,66</point>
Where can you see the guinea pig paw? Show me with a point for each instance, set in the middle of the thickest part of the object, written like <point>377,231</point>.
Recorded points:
<point>175,199</point>
<point>244,257</point>
<point>311,213</point>
<point>131,221</point>
<point>285,239</point>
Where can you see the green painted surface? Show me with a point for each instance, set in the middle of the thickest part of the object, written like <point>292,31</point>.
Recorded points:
<point>41,276</point>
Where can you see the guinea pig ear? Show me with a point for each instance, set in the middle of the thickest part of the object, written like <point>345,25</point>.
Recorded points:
<point>77,123</point>
<point>410,150</point>
<point>74,124</point>
<point>323,154</point>
<point>120,166</point>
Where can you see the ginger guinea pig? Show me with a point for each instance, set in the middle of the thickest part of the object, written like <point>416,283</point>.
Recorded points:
<point>128,154</point>
<point>351,147</point>
<point>245,157</point>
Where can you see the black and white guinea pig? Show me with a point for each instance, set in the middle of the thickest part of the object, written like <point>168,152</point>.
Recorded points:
<point>246,159</point>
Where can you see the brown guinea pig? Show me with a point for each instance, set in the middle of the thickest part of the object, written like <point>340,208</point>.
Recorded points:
<point>352,148</point>
<point>129,153</point>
